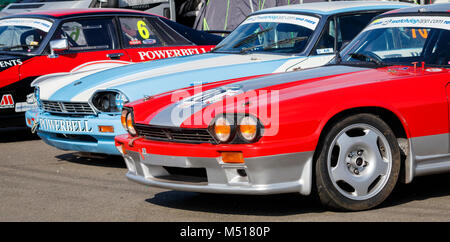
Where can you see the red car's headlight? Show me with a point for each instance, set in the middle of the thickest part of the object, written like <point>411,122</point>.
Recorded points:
<point>222,129</point>
<point>248,128</point>
<point>127,121</point>
<point>236,128</point>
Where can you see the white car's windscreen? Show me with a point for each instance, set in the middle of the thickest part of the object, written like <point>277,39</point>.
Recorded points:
<point>276,33</point>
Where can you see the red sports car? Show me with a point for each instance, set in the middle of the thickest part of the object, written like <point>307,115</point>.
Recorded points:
<point>379,113</point>
<point>69,41</point>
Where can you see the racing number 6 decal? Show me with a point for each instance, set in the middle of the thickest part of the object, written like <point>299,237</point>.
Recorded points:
<point>143,31</point>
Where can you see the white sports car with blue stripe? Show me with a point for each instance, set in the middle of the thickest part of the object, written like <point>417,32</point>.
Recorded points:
<point>84,114</point>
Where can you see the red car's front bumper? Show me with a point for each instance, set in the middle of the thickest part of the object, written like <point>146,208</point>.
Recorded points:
<point>200,167</point>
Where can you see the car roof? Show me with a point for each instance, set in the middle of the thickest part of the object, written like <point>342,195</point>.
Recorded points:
<point>329,8</point>
<point>80,12</point>
<point>434,8</point>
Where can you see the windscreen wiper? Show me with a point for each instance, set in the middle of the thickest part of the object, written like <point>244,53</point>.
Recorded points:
<point>363,57</point>
<point>270,46</point>
<point>285,41</point>
<point>251,37</point>
<point>243,50</point>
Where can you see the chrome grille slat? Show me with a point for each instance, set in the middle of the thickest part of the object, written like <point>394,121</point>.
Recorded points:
<point>181,135</point>
<point>67,107</point>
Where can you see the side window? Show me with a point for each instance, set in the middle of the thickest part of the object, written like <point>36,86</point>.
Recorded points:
<point>440,51</point>
<point>325,46</point>
<point>139,32</point>
<point>88,34</point>
<point>144,32</point>
<point>297,33</point>
<point>349,26</point>
<point>171,36</point>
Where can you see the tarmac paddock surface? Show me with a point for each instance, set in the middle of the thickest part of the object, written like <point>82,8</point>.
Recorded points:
<point>42,183</point>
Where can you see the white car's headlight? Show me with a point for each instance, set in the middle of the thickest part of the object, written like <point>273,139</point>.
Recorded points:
<point>109,101</point>
<point>33,98</point>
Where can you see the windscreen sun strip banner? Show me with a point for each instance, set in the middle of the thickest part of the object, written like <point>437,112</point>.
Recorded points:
<point>41,24</point>
<point>296,19</point>
<point>439,22</point>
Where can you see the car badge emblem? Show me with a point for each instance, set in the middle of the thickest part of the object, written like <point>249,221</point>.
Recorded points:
<point>211,96</point>
<point>7,101</point>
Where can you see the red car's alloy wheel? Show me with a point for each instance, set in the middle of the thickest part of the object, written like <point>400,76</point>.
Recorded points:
<point>359,163</point>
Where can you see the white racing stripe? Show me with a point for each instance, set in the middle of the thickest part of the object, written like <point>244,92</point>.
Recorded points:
<point>49,84</point>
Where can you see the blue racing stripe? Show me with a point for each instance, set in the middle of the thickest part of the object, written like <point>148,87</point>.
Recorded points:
<point>151,86</point>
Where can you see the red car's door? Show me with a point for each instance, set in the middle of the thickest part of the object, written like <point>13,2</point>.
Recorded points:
<point>147,38</point>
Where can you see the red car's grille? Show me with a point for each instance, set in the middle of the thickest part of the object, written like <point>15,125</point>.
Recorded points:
<point>182,135</point>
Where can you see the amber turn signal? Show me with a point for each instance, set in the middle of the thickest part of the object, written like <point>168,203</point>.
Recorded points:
<point>232,157</point>
<point>106,129</point>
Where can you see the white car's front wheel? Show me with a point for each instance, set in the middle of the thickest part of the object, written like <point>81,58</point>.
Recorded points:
<point>359,163</point>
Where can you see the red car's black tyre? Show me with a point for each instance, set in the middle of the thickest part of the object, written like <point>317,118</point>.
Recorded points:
<point>359,163</point>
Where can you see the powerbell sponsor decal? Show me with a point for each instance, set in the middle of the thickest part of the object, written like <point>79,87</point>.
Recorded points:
<point>79,126</point>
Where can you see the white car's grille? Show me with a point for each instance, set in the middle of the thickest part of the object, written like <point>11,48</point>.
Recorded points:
<point>67,107</point>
